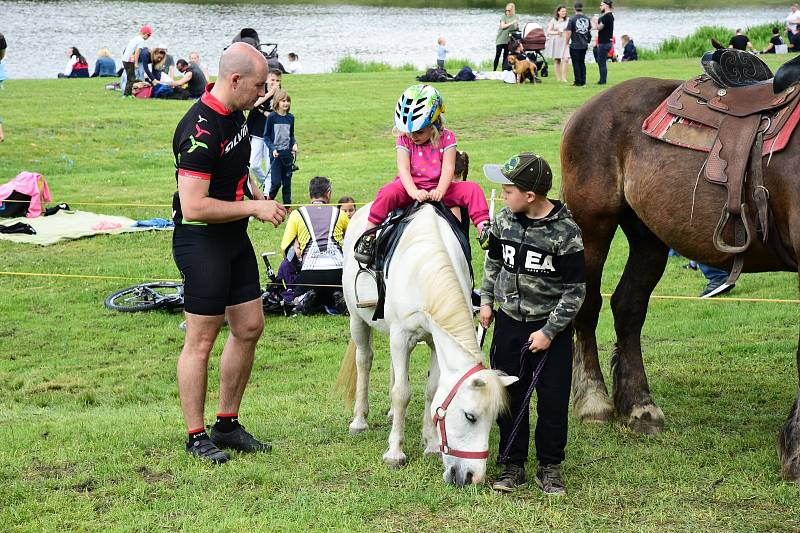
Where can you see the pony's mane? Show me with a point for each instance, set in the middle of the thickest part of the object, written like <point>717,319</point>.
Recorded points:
<point>444,297</point>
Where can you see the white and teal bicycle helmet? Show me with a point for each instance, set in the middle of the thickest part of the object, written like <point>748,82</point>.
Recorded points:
<point>418,107</point>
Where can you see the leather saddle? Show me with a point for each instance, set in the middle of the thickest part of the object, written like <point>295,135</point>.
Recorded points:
<point>388,237</point>
<point>742,109</point>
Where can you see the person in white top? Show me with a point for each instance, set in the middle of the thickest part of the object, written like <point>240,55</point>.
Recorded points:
<point>792,21</point>
<point>556,47</point>
<point>130,56</point>
<point>293,65</point>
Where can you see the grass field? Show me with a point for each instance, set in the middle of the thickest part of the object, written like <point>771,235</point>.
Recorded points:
<point>92,433</point>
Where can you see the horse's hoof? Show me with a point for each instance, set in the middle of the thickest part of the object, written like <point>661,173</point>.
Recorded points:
<point>595,408</point>
<point>395,462</point>
<point>646,419</point>
<point>355,429</point>
<point>390,416</point>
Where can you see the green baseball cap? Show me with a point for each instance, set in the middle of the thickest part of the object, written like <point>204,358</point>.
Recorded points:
<point>527,171</point>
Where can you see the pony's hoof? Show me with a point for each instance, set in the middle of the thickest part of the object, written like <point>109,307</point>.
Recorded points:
<point>595,408</point>
<point>646,419</point>
<point>395,461</point>
<point>355,428</point>
<point>432,451</point>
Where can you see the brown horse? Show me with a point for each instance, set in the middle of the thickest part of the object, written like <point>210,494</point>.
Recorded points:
<point>615,175</point>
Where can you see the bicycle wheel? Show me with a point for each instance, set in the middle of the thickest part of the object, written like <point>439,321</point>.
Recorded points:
<point>146,297</point>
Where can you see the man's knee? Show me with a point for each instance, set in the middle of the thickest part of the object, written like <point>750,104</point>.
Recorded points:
<point>248,328</point>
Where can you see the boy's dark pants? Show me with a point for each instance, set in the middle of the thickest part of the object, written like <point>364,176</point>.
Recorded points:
<point>552,391</point>
<point>281,176</point>
<point>130,77</point>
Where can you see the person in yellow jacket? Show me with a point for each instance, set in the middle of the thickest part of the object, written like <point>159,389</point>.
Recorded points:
<point>318,230</point>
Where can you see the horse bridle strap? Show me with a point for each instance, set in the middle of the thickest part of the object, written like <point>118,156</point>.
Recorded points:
<point>441,413</point>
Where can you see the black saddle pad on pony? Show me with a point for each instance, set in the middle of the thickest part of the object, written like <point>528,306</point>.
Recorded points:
<point>397,223</point>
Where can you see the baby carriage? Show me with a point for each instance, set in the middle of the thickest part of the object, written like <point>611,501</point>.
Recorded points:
<point>532,42</point>
<point>250,36</point>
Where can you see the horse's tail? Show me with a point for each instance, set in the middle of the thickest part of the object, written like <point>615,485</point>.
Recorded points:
<point>346,380</point>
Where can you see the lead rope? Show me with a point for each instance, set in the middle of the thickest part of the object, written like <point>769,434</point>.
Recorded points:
<point>537,373</point>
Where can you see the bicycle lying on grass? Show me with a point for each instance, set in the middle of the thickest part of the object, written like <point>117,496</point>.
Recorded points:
<point>168,295</point>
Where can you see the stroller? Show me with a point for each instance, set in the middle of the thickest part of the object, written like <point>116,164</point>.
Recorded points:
<point>269,50</point>
<point>532,41</point>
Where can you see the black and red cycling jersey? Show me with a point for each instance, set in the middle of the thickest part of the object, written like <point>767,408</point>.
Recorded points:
<point>212,143</point>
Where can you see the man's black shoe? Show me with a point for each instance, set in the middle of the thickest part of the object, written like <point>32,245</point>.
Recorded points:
<point>240,440</point>
<point>512,477</point>
<point>548,477</point>
<point>205,449</point>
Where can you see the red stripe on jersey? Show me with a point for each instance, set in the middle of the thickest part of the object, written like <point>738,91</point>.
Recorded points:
<point>192,174</point>
<point>211,101</point>
<point>240,188</point>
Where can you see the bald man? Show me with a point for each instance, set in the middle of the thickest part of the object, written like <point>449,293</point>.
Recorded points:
<point>213,252</point>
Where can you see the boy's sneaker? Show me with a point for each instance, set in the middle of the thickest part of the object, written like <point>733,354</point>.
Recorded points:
<point>483,236</point>
<point>512,477</point>
<point>207,450</point>
<point>240,440</point>
<point>364,250</point>
<point>548,477</point>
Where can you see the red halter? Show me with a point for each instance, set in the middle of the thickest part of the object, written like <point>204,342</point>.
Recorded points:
<point>441,413</point>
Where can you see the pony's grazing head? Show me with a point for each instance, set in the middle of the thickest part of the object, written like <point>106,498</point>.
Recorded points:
<point>468,421</point>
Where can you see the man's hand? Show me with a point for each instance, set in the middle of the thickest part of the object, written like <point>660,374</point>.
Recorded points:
<point>274,153</point>
<point>269,211</point>
<point>486,315</point>
<point>539,341</point>
<point>421,195</point>
<point>294,149</point>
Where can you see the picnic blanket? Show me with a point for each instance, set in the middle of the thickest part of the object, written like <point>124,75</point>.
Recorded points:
<point>69,225</point>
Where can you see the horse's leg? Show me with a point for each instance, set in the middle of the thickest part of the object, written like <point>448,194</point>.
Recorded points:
<point>645,266</point>
<point>789,438</point>
<point>429,436</point>
<point>589,394</point>
<point>390,412</point>
<point>361,333</point>
<point>400,346</point>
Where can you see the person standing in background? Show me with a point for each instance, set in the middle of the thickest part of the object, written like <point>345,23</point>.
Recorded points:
<point>256,123</point>
<point>577,36</point>
<point>3,47</point>
<point>508,22</point>
<point>605,27</point>
<point>130,57</point>
<point>556,48</point>
<point>441,52</point>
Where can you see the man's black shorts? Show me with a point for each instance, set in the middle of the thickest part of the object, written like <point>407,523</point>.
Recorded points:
<point>219,268</point>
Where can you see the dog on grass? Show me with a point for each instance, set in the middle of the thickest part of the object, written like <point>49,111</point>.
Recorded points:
<point>523,68</point>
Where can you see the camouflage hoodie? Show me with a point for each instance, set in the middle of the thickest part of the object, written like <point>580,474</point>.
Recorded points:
<point>535,268</point>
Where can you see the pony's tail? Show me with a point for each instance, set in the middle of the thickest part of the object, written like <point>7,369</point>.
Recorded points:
<point>346,380</point>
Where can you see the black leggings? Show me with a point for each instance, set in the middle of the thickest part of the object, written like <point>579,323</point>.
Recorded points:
<point>500,49</point>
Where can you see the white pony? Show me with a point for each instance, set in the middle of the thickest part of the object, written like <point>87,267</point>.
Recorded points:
<point>428,298</point>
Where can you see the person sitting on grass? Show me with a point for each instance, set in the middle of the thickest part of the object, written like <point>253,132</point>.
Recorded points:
<point>77,66</point>
<point>629,49</point>
<point>105,66</point>
<point>319,231</point>
<point>348,205</point>
<point>774,41</point>
<point>426,160</point>
<point>193,78</point>
<point>741,42</point>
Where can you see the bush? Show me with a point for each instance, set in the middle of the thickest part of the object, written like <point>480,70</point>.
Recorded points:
<point>349,65</point>
<point>699,42</point>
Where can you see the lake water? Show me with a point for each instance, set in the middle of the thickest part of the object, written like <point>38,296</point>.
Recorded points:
<point>38,33</point>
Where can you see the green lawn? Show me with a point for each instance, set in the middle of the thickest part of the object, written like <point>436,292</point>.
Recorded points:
<point>91,429</point>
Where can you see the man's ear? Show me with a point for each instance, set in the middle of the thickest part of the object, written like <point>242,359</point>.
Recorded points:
<point>235,79</point>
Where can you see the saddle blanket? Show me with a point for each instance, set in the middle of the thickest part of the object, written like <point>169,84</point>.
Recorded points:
<point>664,126</point>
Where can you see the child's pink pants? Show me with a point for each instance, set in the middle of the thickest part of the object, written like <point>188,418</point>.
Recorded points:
<point>460,194</point>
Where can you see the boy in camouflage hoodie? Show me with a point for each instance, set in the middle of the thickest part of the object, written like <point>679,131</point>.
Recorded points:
<point>535,274</point>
